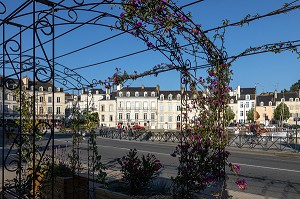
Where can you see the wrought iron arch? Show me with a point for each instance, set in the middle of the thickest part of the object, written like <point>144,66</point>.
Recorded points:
<point>39,60</point>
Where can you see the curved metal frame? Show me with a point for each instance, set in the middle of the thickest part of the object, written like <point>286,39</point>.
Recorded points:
<point>38,60</point>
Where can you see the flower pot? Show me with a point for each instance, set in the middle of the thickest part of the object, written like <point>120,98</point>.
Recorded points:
<point>75,187</point>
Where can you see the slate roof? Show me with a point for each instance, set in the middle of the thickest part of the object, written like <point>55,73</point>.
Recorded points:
<point>265,99</point>
<point>94,90</point>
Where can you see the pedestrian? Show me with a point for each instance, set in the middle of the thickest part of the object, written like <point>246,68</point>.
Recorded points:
<point>237,132</point>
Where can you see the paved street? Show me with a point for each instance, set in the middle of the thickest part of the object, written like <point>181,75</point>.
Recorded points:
<point>268,173</point>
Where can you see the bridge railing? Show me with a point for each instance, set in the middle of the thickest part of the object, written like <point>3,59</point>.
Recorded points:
<point>273,140</point>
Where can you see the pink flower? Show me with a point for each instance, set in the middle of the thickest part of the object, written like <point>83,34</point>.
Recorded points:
<point>242,184</point>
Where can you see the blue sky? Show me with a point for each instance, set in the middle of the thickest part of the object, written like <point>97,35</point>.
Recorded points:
<point>266,71</point>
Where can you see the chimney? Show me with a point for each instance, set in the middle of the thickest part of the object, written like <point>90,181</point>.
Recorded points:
<point>82,90</point>
<point>238,92</point>
<point>275,94</point>
<point>107,91</point>
<point>157,88</point>
<point>143,87</point>
<point>25,81</point>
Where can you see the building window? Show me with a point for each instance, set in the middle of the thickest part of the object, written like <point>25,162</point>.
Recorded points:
<point>41,110</point>
<point>252,104</point>
<point>127,105</point>
<point>170,97</point>
<point>49,99</point>
<point>247,97</point>
<point>241,113</point>
<point>270,103</point>
<point>14,98</point>
<point>102,118</point>
<point>296,99</point>
<point>41,99</point>
<point>145,116</point>
<point>102,108</point>
<point>282,99</point>
<point>110,118</point>
<point>178,118</point>
<point>261,103</point>
<point>247,104</point>
<point>111,107</point>
<point>137,105</point>
<point>145,105</point>
<point>120,116</point>
<point>152,105</point>
<point>170,126</point>
<point>128,94</point>
<point>161,97</point>
<point>178,107</point>
<point>241,105</point>
<point>136,116</point>
<point>162,118</point>
<point>49,110</point>
<point>41,89</point>
<point>58,99</point>
<point>170,107</point>
<point>145,94</point>
<point>152,116</point>
<point>152,94</point>
<point>127,116</point>
<point>161,107</point>
<point>136,94</point>
<point>120,94</point>
<point>170,118</point>
<point>57,110</point>
<point>121,104</point>
<point>291,99</point>
<point>178,97</point>
<point>49,89</point>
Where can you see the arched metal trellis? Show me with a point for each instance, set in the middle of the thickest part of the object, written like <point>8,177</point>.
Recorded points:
<point>29,62</point>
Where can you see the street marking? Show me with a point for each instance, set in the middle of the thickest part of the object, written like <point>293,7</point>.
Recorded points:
<point>249,165</point>
<point>137,150</point>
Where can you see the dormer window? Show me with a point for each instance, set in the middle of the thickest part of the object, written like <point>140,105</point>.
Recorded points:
<point>261,103</point>
<point>31,88</point>
<point>178,97</point>
<point>282,99</point>
<point>247,97</point>
<point>120,94</point>
<point>97,92</point>
<point>58,89</point>
<point>128,94</point>
<point>170,97</point>
<point>161,97</point>
<point>41,88</point>
<point>153,94</point>
<point>49,89</point>
<point>136,94</point>
<point>145,94</point>
<point>296,99</point>
<point>231,101</point>
<point>270,103</point>
<point>107,97</point>
<point>291,99</point>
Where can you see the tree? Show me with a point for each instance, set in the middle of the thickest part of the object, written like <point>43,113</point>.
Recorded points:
<point>281,112</point>
<point>295,86</point>
<point>229,115</point>
<point>250,114</point>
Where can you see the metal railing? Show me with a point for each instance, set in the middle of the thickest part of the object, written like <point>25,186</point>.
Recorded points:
<point>283,141</point>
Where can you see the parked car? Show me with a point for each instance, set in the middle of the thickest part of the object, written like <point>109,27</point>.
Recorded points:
<point>138,127</point>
